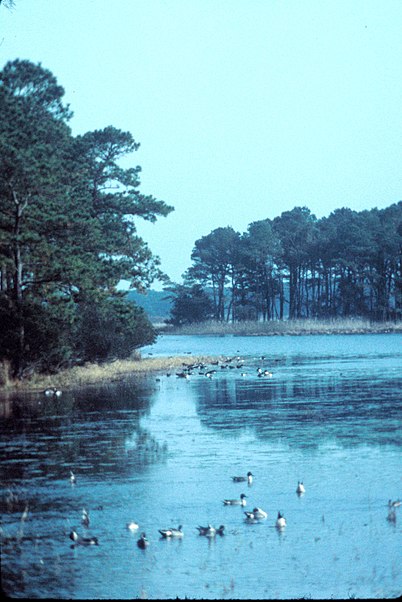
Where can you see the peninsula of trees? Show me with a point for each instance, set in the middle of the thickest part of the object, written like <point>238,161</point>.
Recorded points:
<point>297,266</point>
<point>67,232</point>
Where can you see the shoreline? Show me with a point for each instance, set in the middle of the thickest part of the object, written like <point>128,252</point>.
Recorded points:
<point>101,374</point>
<point>284,328</point>
<point>120,370</point>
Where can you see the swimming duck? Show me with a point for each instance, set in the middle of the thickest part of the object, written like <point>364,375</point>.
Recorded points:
<point>248,478</point>
<point>171,532</point>
<point>208,531</point>
<point>300,488</point>
<point>143,542</point>
<point>394,504</point>
<point>132,526</point>
<point>280,521</point>
<point>240,502</point>
<point>182,374</point>
<point>256,514</point>
<point>85,518</point>
<point>84,541</point>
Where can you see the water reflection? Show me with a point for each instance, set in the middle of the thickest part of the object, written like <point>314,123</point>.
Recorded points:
<point>86,431</point>
<point>351,410</point>
<point>319,420</point>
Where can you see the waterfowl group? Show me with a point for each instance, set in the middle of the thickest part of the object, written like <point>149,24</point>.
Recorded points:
<point>230,363</point>
<point>209,531</point>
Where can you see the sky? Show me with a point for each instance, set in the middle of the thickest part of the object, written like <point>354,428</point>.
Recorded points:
<point>243,108</point>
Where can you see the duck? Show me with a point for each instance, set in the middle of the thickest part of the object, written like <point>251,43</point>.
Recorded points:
<point>208,531</point>
<point>73,478</point>
<point>132,526</point>
<point>300,488</point>
<point>239,502</point>
<point>143,542</point>
<point>248,478</point>
<point>394,504</point>
<point>280,521</point>
<point>172,532</point>
<point>85,517</point>
<point>84,541</point>
<point>256,514</point>
<point>182,374</point>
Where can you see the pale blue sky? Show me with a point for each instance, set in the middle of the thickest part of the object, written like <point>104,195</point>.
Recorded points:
<point>243,108</point>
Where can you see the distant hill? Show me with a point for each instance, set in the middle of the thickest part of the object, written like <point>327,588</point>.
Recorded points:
<point>156,307</point>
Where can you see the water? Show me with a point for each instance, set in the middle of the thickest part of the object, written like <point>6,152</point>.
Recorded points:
<point>161,450</point>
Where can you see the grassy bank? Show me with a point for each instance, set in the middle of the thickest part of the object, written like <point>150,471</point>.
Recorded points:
<point>90,374</point>
<point>288,327</point>
<point>118,370</point>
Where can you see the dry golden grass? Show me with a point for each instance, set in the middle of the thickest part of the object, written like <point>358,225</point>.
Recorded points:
<point>119,369</point>
<point>289,327</point>
<point>88,374</point>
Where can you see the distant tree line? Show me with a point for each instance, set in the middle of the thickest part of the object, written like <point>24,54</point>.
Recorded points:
<point>67,232</point>
<point>297,266</point>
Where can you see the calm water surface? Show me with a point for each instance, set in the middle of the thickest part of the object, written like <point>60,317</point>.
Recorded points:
<point>161,450</point>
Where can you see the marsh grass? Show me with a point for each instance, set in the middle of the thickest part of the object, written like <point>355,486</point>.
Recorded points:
<point>289,327</point>
<point>92,373</point>
<point>118,370</point>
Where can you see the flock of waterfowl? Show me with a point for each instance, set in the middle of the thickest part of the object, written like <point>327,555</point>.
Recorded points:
<point>229,363</point>
<point>209,531</point>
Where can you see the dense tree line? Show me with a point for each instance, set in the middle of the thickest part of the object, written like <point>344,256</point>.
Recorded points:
<point>298,266</point>
<point>67,231</point>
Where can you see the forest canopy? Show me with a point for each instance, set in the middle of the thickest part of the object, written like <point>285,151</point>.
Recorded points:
<point>68,236</point>
<point>348,264</point>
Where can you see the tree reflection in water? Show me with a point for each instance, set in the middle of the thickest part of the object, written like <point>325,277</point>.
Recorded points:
<point>307,411</point>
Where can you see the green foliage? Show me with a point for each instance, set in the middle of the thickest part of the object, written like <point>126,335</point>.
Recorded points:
<point>68,215</point>
<point>190,304</point>
<point>295,266</point>
<point>113,328</point>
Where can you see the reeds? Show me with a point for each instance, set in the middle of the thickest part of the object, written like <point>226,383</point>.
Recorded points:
<point>288,327</point>
<point>92,373</point>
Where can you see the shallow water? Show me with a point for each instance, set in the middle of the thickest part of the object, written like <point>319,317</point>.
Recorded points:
<point>162,450</point>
